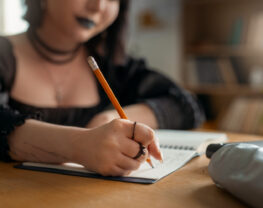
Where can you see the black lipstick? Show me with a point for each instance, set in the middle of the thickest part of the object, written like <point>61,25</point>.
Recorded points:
<point>85,22</point>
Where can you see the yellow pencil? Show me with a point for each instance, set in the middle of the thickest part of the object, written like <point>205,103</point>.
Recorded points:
<point>94,66</point>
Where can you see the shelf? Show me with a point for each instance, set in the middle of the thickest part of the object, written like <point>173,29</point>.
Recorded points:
<point>201,2</point>
<point>222,47</point>
<point>225,90</point>
<point>223,50</point>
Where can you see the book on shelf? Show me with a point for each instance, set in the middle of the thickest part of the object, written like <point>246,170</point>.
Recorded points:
<point>247,29</point>
<point>244,115</point>
<point>255,30</point>
<point>240,70</point>
<point>216,70</point>
<point>234,116</point>
<point>204,70</point>
<point>192,77</point>
<point>237,32</point>
<point>227,71</point>
<point>208,71</point>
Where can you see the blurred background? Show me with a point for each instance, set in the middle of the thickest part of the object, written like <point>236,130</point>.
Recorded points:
<point>213,48</point>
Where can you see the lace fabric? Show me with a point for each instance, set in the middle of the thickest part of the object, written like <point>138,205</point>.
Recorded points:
<point>9,120</point>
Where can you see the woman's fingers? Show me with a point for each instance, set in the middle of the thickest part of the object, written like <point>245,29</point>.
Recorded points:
<point>128,163</point>
<point>132,149</point>
<point>111,149</point>
<point>143,134</point>
<point>129,147</point>
<point>138,132</point>
<point>123,166</point>
<point>154,150</point>
<point>146,136</point>
<point>115,171</point>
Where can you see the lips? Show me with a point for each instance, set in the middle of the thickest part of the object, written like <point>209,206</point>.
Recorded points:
<point>85,22</point>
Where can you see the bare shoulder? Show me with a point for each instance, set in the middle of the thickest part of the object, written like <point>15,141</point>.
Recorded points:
<point>18,40</point>
<point>21,45</point>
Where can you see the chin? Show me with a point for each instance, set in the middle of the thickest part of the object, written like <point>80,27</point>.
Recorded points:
<point>84,36</point>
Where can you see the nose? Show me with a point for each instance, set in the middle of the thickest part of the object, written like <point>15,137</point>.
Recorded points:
<point>96,5</point>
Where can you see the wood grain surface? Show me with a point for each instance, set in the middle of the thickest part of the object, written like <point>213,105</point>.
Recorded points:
<point>190,186</point>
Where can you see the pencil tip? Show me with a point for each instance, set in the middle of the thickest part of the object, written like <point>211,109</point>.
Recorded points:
<point>150,163</point>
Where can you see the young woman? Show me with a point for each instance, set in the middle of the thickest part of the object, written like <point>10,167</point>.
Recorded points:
<point>52,108</point>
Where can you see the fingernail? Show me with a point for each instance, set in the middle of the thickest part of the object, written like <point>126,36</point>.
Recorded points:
<point>161,160</point>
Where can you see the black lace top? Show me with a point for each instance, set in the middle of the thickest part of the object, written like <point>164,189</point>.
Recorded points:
<point>132,83</point>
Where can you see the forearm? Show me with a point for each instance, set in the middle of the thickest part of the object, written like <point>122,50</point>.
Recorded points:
<point>141,113</point>
<point>42,142</point>
<point>137,112</point>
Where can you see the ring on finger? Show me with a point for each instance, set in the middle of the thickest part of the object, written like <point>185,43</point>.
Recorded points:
<point>142,151</point>
<point>133,130</point>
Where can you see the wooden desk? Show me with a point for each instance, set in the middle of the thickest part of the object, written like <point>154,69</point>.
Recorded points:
<point>188,187</point>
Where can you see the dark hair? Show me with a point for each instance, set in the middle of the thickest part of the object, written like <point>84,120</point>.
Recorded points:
<point>111,41</point>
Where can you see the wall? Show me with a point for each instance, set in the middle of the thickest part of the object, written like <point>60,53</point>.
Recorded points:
<point>1,17</point>
<point>11,17</point>
<point>160,46</point>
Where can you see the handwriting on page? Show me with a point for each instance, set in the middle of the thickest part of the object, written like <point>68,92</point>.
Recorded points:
<point>172,161</point>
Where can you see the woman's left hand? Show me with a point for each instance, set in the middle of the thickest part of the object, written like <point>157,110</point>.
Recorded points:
<point>136,112</point>
<point>102,118</point>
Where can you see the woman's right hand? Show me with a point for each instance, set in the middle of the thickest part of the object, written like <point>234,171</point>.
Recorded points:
<point>109,149</point>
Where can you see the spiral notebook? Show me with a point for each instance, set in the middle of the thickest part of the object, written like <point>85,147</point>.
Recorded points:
<point>178,147</point>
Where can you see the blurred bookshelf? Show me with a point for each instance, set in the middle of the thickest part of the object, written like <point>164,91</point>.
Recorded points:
<point>223,60</point>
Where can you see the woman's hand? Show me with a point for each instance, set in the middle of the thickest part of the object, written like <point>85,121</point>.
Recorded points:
<point>102,118</point>
<point>109,149</point>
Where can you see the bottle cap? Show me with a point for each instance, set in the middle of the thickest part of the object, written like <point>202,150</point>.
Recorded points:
<point>212,148</point>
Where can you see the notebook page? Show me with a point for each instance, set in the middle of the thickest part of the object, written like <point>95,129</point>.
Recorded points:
<point>188,138</point>
<point>176,158</point>
<point>173,160</point>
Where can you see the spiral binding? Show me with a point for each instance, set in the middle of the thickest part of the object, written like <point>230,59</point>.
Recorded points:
<point>166,146</point>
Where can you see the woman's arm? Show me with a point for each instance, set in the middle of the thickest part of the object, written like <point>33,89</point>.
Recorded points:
<point>37,141</point>
<point>138,112</point>
<point>142,113</point>
<point>108,150</point>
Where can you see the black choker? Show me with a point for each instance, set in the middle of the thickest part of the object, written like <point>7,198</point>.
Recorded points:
<point>37,43</point>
